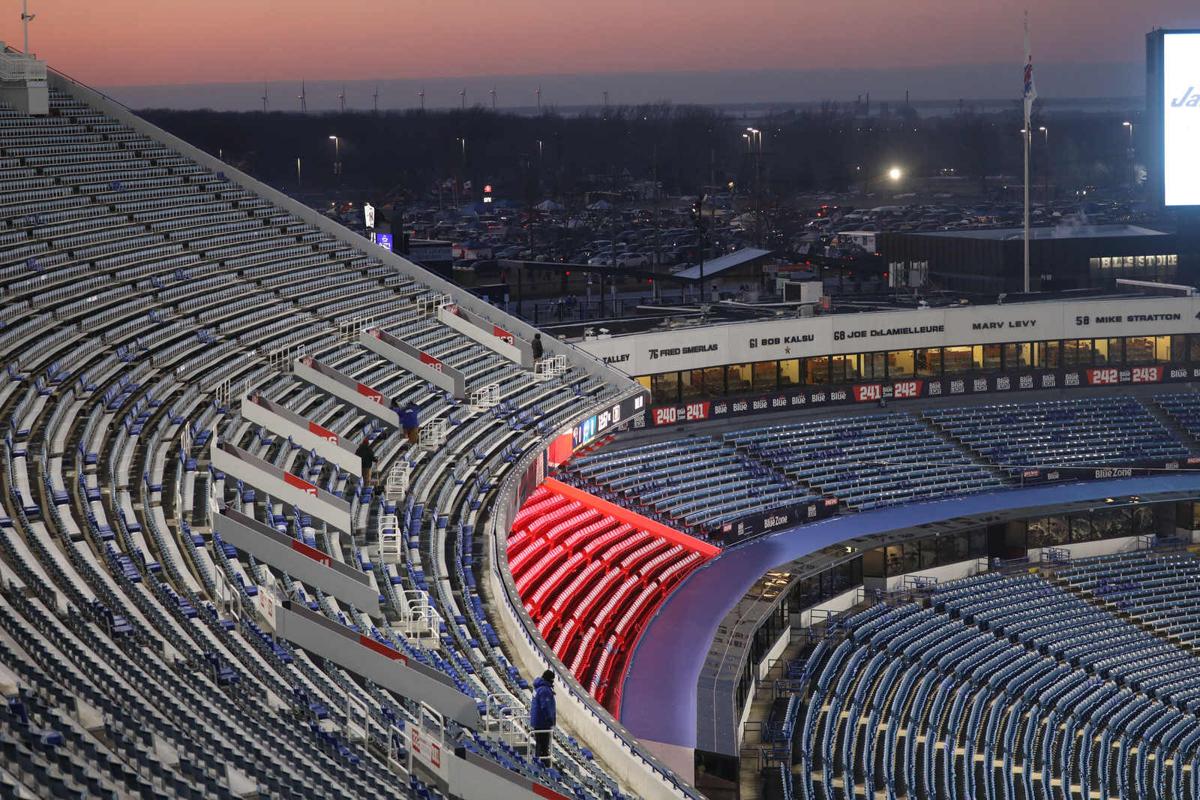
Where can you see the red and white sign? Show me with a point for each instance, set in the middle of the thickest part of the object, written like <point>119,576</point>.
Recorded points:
<point>907,389</point>
<point>866,392</point>
<point>503,335</point>
<point>370,394</point>
<point>1109,376</point>
<point>382,649</point>
<point>323,432</point>
<point>311,552</point>
<point>431,361</point>
<point>299,483</point>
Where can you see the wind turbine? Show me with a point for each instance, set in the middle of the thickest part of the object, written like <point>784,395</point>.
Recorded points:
<point>303,97</point>
<point>538,92</point>
<point>493,94</point>
<point>264,98</point>
<point>462,96</point>
<point>375,98</point>
<point>342,99</point>
<point>421,97</point>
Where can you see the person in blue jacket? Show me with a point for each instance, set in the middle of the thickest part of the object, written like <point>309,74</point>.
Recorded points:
<point>543,714</point>
<point>410,421</point>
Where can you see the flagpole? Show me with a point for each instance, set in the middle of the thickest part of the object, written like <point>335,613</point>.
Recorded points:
<point>1027,132</point>
<point>1029,94</point>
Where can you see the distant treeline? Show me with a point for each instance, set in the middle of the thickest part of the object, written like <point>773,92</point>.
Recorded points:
<point>411,155</point>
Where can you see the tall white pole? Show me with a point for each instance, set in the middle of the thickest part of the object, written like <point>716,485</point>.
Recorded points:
<point>26,18</point>
<point>1030,93</point>
<point>1027,135</point>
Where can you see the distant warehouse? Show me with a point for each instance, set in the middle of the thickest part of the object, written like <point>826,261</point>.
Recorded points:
<point>987,262</point>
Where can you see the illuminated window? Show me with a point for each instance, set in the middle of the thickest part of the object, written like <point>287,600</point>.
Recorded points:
<point>692,384</point>
<point>1047,355</point>
<point>929,362</point>
<point>738,377</point>
<point>789,372</point>
<point>958,359</point>
<point>844,369</point>
<point>991,356</point>
<point>644,380</point>
<point>1077,353</point>
<point>901,364</point>
<point>664,388</point>
<point>816,370</point>
<point>765,376</point>
<point>1018,355</point>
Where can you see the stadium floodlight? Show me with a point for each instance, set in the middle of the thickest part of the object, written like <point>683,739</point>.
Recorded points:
<point>895,173</point>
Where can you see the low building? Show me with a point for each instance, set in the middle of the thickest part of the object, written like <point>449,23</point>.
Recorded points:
<point>988,262</point>
<point>730,272</point>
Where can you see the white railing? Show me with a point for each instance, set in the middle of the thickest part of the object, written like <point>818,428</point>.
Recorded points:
<point>397,480</point>
<point>349,329</point>
<point>434,433</point>
<point>282,358</point>
<point>390,544</point>
<point>550,367</point>
<point>419,618</point>
<point>21,67</point>
<point>485,398</point>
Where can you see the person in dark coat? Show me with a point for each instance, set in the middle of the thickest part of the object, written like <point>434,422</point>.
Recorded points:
<point>367,455</point>
<point>543,714</point>
<point>537,346</point>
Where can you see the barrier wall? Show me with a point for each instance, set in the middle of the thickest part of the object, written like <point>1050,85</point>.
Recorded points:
<point>371,659</point>
<point>281,484</point>
<point>281,420</point>
<point>363,397</point>
<point>308,564</point>
<point>490,335</point>
<point>415,360</point>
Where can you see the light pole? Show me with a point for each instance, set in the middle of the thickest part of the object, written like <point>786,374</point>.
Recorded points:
<point>1129,125</point>
<point>755,142</point>
<point>337,155</point>
<point>1046,167</point>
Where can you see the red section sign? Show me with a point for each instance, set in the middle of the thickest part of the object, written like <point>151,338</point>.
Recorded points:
<point>503,335</point>
<point>299,483</point>
<point>382,649</point>
<point>865,392</point>
<point>324,433</point>
<point>431,361</point>
<point>312,552</point>
<point>548,793</point>
<point>907,389</point>
<point>369,393</point>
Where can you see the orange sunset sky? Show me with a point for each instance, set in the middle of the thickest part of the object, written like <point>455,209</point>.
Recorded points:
<point>122,42</point>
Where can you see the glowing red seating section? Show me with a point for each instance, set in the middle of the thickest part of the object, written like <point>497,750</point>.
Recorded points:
<point>591,574</point>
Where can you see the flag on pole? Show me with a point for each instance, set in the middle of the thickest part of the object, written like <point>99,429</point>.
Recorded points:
<point>1030,90</point>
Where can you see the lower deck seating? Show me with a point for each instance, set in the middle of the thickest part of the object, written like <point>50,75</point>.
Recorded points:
<point>1004,686</point>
